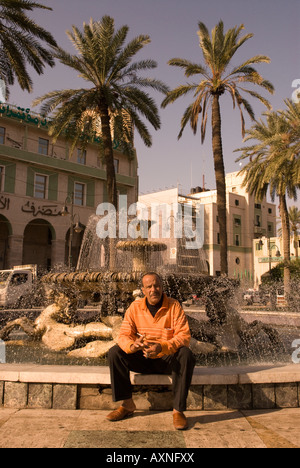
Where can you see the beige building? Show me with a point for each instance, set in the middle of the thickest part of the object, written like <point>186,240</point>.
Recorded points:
<point>246,220</point>
<point>37,178</point>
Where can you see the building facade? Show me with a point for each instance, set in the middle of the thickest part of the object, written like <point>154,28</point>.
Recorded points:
<point>37,179</point>
<point>246,220</point>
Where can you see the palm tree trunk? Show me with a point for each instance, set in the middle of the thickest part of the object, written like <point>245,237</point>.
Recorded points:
<point>110,172</point>
<point>296,243</point>
<point>220,181</point>
<point>108,155</point>
<point>284,214</point>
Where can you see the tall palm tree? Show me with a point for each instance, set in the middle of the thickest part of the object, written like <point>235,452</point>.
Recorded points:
<point>292,116</point>
<point>115,96</point>
<point>294,215</point>
<point>114,103</point>
<point>271,168</point>
<point>215,80</point>
<point>21,43</point>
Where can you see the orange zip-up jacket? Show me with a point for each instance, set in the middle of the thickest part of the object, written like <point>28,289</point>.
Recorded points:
<point>169,327</point>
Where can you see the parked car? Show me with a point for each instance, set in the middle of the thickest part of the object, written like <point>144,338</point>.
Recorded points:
<point>16,284</point>
<point>193,300</point>
<point>255,297</point>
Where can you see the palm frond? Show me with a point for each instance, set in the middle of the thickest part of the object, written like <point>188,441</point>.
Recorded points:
<point>21,41</point>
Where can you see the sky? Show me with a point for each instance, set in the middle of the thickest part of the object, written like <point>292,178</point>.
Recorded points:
<point>172,26</point>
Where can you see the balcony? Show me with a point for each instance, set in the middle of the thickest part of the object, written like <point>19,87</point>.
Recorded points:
<point>259,231</point>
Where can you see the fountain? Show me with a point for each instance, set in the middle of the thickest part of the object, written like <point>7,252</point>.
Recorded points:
<point>61,329</point>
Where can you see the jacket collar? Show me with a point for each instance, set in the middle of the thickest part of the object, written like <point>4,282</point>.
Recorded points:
<point>165,304</point>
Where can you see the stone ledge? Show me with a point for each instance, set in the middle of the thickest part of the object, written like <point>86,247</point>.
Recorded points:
<point>262,374</point>
<point>76,387</point>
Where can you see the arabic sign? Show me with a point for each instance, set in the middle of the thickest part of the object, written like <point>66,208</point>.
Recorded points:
<point>45,210</point>
<point>4,203</point>
<point>31,208</point>
<point>27,116</point>
<point>22,114</point>
<point>269,259</point>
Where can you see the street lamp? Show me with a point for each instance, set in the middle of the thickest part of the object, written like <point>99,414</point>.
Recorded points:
<point>270,247</point>
<point>73,227</point>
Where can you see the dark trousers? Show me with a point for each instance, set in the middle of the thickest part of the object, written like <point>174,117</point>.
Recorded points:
<point>180,366</point>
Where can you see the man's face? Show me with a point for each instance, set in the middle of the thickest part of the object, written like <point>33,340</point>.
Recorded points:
<point>152,289</point>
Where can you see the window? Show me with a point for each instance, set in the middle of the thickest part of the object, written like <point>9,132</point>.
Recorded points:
<point>2,135</point>
<point>79,194</point>
<point>236,202</point>
<point>218,238</point>
<point>237,222</point>
<point>2,178</point>
<point>19,278</point>
<point>43,146</point>
<point>257,220</point>
<point>40,186</point>
<point>81,156</point>
<point>237,240</point>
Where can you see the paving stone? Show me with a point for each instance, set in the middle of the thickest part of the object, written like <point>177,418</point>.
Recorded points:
<point>64,396</point>
<point>40,396</point>
<point>239,397</point>
<point>286,395</point>
<point>125,439</point>
<point>215,397</point>
<point>263,396</point>
<point>160,401</point>
<point>195,398</point>
<point>15,394</point>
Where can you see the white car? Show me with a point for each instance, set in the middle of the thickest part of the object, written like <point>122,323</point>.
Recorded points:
<point>16,284</point>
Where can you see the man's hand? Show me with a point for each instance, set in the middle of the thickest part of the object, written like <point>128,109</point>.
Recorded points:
<point>152,350</point>
<point>138,345</point>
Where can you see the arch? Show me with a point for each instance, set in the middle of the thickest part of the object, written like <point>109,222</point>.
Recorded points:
<point>37,244</point>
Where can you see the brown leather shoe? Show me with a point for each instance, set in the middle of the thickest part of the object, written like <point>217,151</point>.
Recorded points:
<point>119,414</point>
<point>180,421</point>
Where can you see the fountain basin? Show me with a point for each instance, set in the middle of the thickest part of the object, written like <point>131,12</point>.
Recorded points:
<point>74,387</point>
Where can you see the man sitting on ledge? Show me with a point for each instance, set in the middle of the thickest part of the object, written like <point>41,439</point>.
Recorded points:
<point>154,339</point>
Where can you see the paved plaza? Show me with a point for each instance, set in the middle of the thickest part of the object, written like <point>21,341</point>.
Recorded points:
<point>34,428</point>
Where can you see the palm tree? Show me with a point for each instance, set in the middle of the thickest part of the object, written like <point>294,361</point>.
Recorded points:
<point>115,103</point>
<point>20,43</point>
<point>294,215</point>
<point>271,168</point>
<point>292,116</point>
<point>215,80</point>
